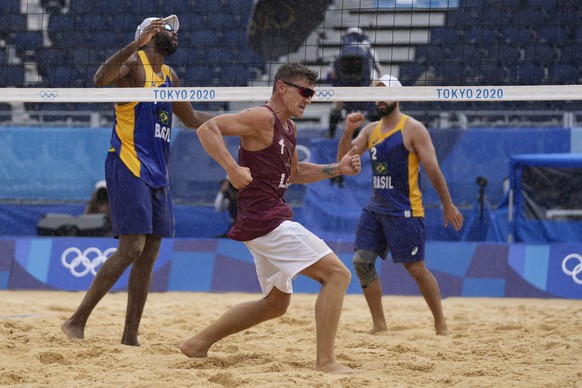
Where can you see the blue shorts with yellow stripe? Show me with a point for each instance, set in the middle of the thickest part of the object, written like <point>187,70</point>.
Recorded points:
<point>137,208</point>
<point>403,237</point>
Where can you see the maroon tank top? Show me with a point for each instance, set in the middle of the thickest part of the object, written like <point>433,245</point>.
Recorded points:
<point>261,204</point>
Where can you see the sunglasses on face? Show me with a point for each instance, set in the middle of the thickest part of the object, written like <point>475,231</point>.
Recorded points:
<point>305,92</point>
<point>168,27</point>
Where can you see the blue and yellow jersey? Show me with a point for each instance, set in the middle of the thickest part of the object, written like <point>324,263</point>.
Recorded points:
<point>395,174</point>
<point>141,135</point>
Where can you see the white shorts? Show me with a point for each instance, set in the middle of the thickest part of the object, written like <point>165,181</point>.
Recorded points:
<point>284,252</point>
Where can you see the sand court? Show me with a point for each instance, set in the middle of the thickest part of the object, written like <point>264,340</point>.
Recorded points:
<point>493,342</point>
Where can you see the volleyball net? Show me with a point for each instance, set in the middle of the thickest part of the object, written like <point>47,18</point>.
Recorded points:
<point>448,54</point>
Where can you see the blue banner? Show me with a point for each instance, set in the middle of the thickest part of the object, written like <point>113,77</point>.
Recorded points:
<point>462,268</point>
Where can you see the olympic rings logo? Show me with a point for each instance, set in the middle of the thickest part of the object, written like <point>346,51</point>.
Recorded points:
<point>81,263</point>
<point>324,94</point>
<point>48,95</point>
<point>574,272</point>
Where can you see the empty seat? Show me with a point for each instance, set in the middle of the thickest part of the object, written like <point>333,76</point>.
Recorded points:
<point>60,27</point>
<point>409,72</point>
<point>570,53</point>
<point>506,54</point>
<point>451,73</point>
<point>3,56</point>
<point>62,77</point>
<point>541,4</point>
<point>517,35</point>
<point>429,53</point>
<point>539,53</point>
<point>529,74</point>
<point>446,35</point>
<point>50,57</point>
<point>481,35</point>
<point>12,76</point>
<point>490,73</point>
<point>28,44</point>
<point>200,75</point>
<point>471,55</point>
<point>204,38</point>
<point>563,74</point>
<point>5,112</point>
<point>552,34</point>
<point>234,75</point>
<point>11,23</point>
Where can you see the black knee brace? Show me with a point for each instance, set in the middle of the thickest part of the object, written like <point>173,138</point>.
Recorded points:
<point>365,266</point>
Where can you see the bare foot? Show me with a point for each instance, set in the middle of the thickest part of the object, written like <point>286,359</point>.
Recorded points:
<point>335,368</point>
<point>71,331</point>
<point>194,348</point>
<point>376,329</point>
<point>441,329</point>
<point>132,342</point>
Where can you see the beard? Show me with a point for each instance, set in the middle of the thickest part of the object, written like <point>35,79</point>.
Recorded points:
<point>164,44</point>
<point>385,109</point>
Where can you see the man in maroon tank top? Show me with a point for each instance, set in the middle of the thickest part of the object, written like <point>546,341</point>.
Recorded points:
<point>282,249</point>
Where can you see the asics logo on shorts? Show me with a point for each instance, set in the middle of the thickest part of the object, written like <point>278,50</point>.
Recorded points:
<point>576,272</point>
<point>414,251</point>
<point>80,263</point>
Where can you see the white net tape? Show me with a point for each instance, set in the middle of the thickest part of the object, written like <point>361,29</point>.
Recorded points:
<point>323,94</point>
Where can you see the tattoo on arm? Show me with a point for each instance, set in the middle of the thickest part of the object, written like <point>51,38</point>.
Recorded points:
<point>331,169</point>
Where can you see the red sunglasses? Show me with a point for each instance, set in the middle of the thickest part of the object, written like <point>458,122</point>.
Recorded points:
<point>305,92</point>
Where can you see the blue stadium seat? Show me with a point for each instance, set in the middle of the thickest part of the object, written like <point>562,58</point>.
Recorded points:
<point>530,17</point>
<point>3,56</point>
<point>446,35</point>
<point>570,53</point>
<point>429,53</point>
<point>28,44</point>
<point>60,27</point>
<point>451,73</point>
<point>496,3</point>
<point>472,3</point>
<point>78,7</point>
<point>459,18</point>
<point>204,38</point>
<point>409,72</point>
<point>49,58</point>
<point>200,75</point>
<point>529,74</point>
<point>506,54</point>
<point>539,53</point>
<point>552,34</point>
<point>5,112</point>
<point>563,74</point>
<point>481,35</point>
<point>517,35</point>
<point>490,73</point>
<point>11,23</point>
<point>208,7</point>
<point>12,76</point>
<point>55,111</point>
<point>234,75</point>
<point>125,24</point>
<point>541,4</point>
<point>63,77</point>
<point>234,37</point>
<point>471,55</point>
